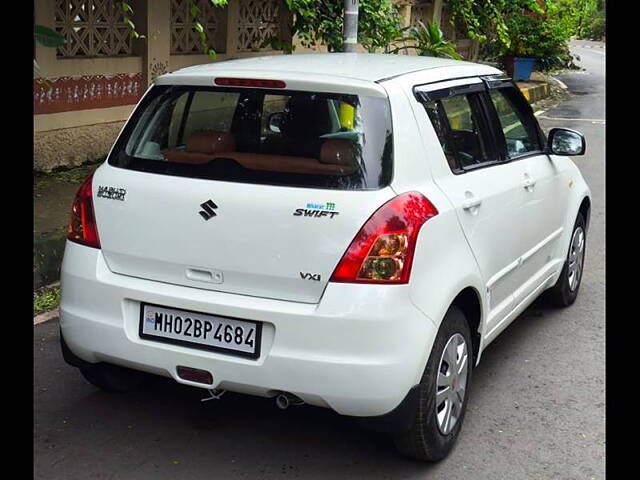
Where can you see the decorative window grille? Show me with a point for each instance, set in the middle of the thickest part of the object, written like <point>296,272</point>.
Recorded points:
<point>184,39</point>
<point>257,24</point>
<point>92,28</point>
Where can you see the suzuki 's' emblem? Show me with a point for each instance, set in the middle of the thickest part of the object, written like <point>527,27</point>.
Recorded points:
<point>208,209</point>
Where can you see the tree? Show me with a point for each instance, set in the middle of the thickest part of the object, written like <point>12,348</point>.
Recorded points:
<point>320,21</point>
<point>485,20</point>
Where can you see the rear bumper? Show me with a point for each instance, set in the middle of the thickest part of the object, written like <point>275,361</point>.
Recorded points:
<point>359,351</point>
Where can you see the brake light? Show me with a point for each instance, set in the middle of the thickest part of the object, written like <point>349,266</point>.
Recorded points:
<point>82,225</point>
<point>249,82</point>
<point>382,251</point>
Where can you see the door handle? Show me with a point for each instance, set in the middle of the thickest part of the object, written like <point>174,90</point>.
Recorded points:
<point>201,275</point>
<point>471,202</point>
<point>528,183</point>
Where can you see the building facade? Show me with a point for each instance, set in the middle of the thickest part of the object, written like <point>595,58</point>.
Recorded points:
<point>96,78</point>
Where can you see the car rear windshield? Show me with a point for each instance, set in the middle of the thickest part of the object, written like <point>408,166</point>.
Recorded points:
<point>251,135</point>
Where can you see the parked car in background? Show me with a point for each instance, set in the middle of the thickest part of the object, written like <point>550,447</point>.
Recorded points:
<point>345,230</point>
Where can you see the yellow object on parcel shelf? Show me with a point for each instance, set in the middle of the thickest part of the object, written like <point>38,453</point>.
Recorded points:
<point>347,115</point>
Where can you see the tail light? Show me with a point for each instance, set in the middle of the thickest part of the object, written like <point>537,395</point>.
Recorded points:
<point>82,225</point>
<point>382,251</point>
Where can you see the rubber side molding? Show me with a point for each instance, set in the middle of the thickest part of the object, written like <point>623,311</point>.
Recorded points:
<point>397,420</point>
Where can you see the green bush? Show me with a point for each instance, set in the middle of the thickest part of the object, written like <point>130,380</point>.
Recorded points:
<point>46,300</point>
<point>429,41</point>
<point>535,37</point>
<point>596,28</point>
<point>317,22</point>
<point>544,37</point>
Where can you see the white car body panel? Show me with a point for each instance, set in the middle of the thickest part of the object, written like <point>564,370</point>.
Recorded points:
<point>355,348</point>
<point>348,352</point>
<point>254,243</point>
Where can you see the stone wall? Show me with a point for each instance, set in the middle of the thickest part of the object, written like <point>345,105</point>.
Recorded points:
<point>75,146</point>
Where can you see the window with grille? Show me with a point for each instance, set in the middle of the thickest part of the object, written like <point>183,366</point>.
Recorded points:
<point>257,24</point>
<point>184,39</point>
<point>92,28</point>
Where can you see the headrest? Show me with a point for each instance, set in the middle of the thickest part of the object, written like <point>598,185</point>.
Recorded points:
<point>305,117</point>
<point>338,151</point>
<point>208,141</point>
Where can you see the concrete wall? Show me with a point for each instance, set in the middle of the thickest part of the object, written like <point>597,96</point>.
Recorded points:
<point>68,147</point>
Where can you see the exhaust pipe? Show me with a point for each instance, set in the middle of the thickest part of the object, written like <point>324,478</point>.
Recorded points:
<point>284,400</point>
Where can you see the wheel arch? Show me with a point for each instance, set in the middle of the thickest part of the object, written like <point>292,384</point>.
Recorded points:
<point>579,203</point>
<point>585,210</point>
<point>468,300</point>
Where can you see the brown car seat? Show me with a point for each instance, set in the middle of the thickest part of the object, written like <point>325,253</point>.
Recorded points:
<point>337,157</point>
<point>202,147</point>
<point>339,151</point>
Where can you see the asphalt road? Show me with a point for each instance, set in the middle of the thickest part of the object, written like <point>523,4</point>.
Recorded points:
<point>536,408</point>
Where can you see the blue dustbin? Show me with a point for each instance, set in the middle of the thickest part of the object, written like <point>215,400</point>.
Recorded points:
<point>522,68</point>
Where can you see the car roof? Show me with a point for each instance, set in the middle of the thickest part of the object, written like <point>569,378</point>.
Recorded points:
<point>366,67</point>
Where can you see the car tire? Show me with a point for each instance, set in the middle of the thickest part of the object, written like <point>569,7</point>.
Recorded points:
<point>112,378</point>
<point>565,290</point>
<point>430,438</point>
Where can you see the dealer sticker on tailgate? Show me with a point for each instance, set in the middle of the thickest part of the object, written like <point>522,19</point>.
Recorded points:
<point>200,330</point>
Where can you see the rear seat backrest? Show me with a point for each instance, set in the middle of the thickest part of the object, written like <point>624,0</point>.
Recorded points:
<point>202,147</point>
<point>209,141</point>
<point>338,151</point>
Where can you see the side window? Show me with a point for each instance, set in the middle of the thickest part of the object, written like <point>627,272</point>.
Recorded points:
<point>461,129</point>
<point>518,126</point>
<point>272,104</point>
<point>177,121</point>
<point>184,113</point>
<point>210,111</point>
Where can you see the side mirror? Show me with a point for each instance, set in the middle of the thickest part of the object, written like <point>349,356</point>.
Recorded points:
<point>275,121</point>
<point>563,141</point>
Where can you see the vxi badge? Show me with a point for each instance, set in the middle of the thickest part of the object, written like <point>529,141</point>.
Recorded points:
<point>317,210</point>
<point>310,276</point>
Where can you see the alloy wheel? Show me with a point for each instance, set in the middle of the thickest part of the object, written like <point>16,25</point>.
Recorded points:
<point>576,259</point>
<point>452,383</point>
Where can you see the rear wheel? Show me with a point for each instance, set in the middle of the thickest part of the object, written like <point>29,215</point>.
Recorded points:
<point>112,378</point>
<point>565,291</point>
<point>443,392</point>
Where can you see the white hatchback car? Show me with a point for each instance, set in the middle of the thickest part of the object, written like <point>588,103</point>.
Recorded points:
<point>344,230</point>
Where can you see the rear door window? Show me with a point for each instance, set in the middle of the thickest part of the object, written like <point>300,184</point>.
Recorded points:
<point>293,138</point>
<point>462,129</point>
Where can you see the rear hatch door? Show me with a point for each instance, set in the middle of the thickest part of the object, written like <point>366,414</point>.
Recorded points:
<point>254,191</point>
<point>265,241</point>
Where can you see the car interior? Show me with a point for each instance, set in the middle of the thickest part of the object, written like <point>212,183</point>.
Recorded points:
<point>303,144</point>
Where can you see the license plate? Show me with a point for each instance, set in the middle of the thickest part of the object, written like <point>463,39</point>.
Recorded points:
<point>200,330</point>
